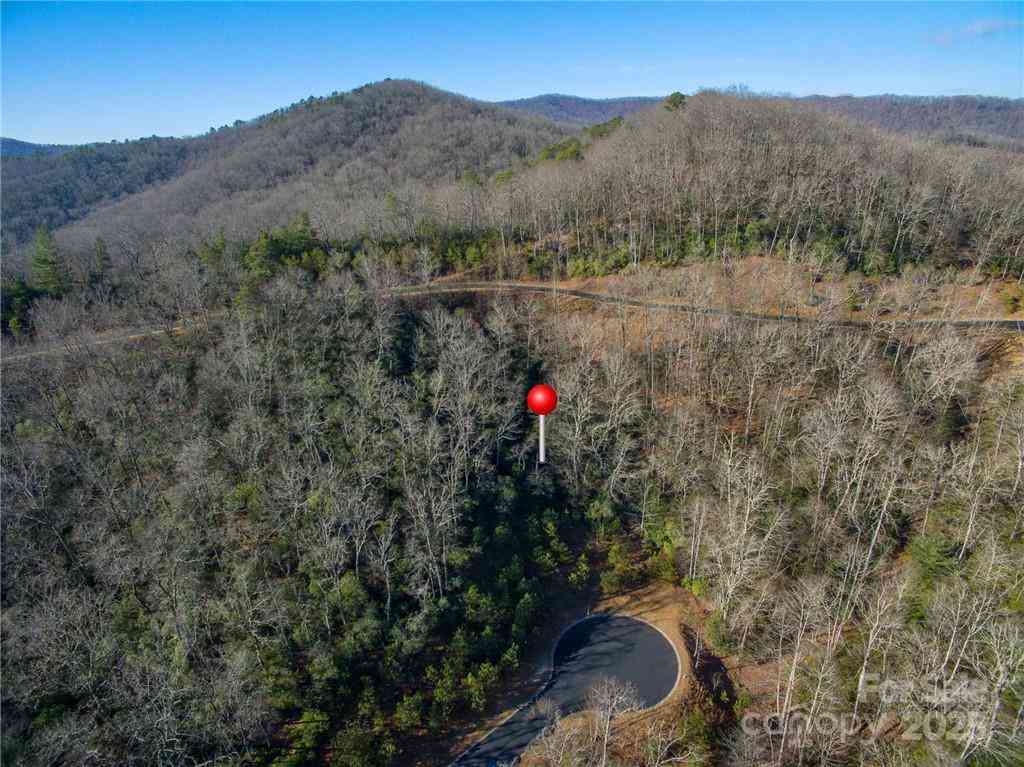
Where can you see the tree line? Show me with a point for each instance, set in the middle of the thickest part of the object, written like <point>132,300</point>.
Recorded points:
<point>719,177</point>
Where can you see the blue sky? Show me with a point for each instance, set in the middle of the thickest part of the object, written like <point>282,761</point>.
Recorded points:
<point>76,72</point>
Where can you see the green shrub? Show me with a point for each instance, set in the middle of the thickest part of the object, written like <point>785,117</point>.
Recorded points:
<point>409,712</point>
<point>675,102</point>
<point>662,565</point>
<point>479,684</point>
<point>569,149</point>
<point>617,259</point>
<point>526,609</point>
<point>877,262</point>
<point>510,658</point>
<point>621,571</point>
<point>578,268</point>
<point>696,586</point>
<point>304,737</point>
<point>16,299</point>
<point>733,241</point>
<point>579,578</point>
<point>1013,298</point>
<point>696,248</point>
<point>544,560</point>
<point>933,556</point>
<point>601,130</point>
<point>359,746</point>
<point>825,250</point>
<point>753,233</point>
<point>718,634</point>
<point>280,680</point>
<point>742,703</point>
<point>695,731</point>
<point>601,515</point>
<point>245,496</point>
<point>572,151</point>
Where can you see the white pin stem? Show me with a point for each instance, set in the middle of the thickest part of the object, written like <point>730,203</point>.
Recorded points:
<point>542,439</point>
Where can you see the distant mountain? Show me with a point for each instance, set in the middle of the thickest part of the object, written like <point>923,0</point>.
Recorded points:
<point>574,110</point>
<point>57,188</point>
<point>368,155</point>
<point>961,119</point>
<point>12,147</point>
<point>332,154</point>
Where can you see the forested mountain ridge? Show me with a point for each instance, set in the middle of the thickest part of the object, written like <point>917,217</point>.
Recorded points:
<point>731,175</point>
<point>238,177</point>
<point>12,147</point>
<point>958,118</point>
<point>52,189</point>
<point>575,110</point>
<point>347,146</point>
<point>448,183</point>
<point>952,115</point>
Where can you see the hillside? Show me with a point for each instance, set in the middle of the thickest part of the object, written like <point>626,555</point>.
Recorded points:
<point>726,176</point>
<point>313,530</point>
<point>574,110</point>
<point>337,157</point>
<point>424,178</point>
<point>338,153</point>
<point>950,115</point>
<point>56,188</point>
<point>300,520</point>
<point>963,119</point>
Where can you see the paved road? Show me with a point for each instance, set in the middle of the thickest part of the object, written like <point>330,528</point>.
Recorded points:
<point>1013,326</point>
<point>600,646</point>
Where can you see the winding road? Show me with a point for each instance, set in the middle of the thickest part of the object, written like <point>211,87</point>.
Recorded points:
<point>412,291</point>
<point>616,646</point>
<point>997,323</point>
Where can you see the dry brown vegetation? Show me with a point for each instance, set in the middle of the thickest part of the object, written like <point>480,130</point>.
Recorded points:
<point>312,527</point>
<point>827,511</point>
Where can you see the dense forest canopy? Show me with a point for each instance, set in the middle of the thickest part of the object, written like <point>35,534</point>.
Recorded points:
<point>725,174</point>
<point>235,561</point>
<point>313,528</point>
<point>307,524</point>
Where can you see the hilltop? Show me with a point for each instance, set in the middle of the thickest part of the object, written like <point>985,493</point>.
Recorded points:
<point>361,158</point>
<point>342,151</point>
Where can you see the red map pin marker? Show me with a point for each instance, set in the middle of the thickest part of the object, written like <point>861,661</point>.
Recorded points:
<point>542,400</point>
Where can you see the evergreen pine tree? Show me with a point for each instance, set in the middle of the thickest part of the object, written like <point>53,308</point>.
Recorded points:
<point>675,102</point>
<point>101,265</point>
<point>48,270</point>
